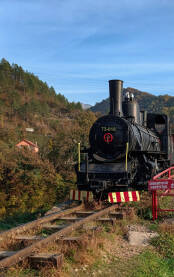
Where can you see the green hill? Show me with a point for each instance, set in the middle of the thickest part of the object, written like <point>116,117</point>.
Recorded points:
<point>147,101</point>
<point>31,181</point>
<point>27,102</point>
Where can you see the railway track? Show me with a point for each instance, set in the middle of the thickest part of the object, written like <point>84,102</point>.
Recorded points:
<point>61,225</point>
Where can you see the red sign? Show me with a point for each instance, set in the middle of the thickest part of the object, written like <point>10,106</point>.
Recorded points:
<point>108,137</point>
<point>162,184</point>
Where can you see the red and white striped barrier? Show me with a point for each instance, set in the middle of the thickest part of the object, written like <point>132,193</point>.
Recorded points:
<point>81,195</point>
<point>125,196</point>
<point>113,197</point>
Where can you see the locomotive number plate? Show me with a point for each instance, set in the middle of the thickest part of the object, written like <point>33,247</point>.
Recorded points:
<point>108,129</point>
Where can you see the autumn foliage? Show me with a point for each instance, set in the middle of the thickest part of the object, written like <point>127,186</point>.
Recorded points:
<point>32,181</point>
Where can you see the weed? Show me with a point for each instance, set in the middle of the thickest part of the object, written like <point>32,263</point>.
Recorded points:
<point>101,245</point>
<point>154,226</point>
<point>145,213</point>
<point>150,264</point>
<point>19,218</point>
<point>71,255</point>
<point>164,244</point>
<point>16,272</point>
<point>166,228</point>
<point>107,227</point>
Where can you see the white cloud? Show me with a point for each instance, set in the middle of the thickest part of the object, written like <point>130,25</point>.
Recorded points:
<point>85,43</point>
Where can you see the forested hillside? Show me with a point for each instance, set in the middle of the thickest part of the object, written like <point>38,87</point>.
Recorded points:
<point>147,101</point>
<point>31,181</point>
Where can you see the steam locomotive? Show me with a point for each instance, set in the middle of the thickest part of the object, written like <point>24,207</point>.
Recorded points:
<point>127,146</point>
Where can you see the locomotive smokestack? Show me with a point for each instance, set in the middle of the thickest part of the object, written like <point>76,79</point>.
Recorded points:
<point>115,91</point>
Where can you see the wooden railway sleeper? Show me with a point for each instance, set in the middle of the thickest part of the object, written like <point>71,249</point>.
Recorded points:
<point>33,249</point>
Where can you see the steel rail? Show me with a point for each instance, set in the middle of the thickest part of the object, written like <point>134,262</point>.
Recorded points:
<point>26,252</point>
<point>35,223</point>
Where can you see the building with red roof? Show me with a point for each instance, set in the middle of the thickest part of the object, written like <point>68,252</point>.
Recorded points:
<point>26,143</point>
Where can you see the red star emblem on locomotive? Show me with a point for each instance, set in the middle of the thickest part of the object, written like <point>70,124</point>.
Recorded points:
<point>108,137</point>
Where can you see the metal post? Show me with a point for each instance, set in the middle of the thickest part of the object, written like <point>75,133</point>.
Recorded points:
<point>79,156</point>
<point>86,159</point>
<point>154,205</point>
<point>127,148</point>
<point>153,212</point>
<point>169,173</point>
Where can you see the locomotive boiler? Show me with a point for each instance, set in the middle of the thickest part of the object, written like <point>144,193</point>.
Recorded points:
<point>127,147</point>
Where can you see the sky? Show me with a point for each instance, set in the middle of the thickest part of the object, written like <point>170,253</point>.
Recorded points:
<point>76,46</point>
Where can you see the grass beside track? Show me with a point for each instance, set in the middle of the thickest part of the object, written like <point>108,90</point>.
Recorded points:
<point>109,254</point>
<point>14,221</point>
<point>106,254</point>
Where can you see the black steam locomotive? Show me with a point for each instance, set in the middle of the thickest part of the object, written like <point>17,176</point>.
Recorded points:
<point>127,147</point>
